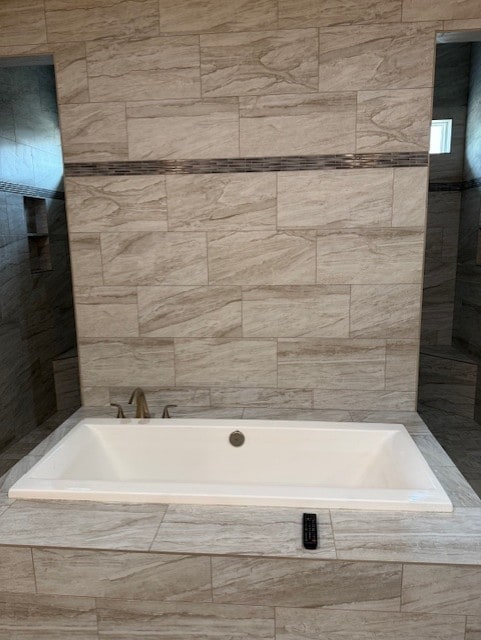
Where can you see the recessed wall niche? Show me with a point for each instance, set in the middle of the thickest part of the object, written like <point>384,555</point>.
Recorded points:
<point>37,232</point>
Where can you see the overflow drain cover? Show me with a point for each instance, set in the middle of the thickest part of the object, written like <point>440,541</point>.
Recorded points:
<point>236,439</point>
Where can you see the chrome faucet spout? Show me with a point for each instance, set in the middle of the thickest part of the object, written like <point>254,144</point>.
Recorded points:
<point>142,408</point>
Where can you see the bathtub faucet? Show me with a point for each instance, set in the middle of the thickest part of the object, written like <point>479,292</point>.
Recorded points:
<point>165,412</point>
<point>142,408</point>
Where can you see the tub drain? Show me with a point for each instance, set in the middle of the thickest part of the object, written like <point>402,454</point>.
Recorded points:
<point>237,439</point>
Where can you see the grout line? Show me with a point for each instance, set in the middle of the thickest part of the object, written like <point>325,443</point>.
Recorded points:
<point>402,587</point>
<point>34,572</point>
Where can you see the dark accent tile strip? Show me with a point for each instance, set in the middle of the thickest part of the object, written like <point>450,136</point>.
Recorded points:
<point>246,165</point>
<point>34,192</point>
<point>474,183</point>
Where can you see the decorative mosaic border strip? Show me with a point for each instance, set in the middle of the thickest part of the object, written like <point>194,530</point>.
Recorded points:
<point>34,192</point>
<point>247,165</point>
<point>474,183</point>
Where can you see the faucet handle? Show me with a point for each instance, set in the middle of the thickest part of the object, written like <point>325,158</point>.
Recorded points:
<point>165,412</point>
<point>120,411</point>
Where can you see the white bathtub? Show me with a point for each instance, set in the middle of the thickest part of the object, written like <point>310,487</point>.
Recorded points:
<point>281,463</point>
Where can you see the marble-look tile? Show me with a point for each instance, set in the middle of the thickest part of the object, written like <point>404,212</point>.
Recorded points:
<point>310,13</point>
<point>259,62</point>
<point>95,396</point>
<point>116,203</point>
<point>441,589</point>
<point>402,359</point>
<point>311,198</point>
<point>331,364</point>
<point>194,397</point>
<point>207,413</point>
<point>440,10</point>
<point>124,620</point>
<point>317,415</point>
<point>22,22</point>
<point>370,256</point>
<point>350,399</point>
<point>134,576</point>
<point>16,570</point>
<point>188,312</point>
<point>393,120</point>
<point>16,472</point>
<point>93,132</point>
<point>296,311</point>
<point>122,361</point>
<point>239,201</point>
<point>297,124</point>
<point>260,397</point>
<point>85,259</point>
<point>385,311</point>
<point>306,583</point>
<point>183,129</point>
<point>432,451</point>
<point>225,363</point>
<point>80,524</point>
<point>473,628</point>
<point>154,258</point>
<point>71,73</point>
<point>206,16</point>
<point>146,69</point>
<point>462,25</point>
<point>410,419</point>
<point>106,312</point>
<point>262,257</point>
<point>240,531</point>
<point>292,624</point>
<point>409,198</point>
<point>37,617</point>
<point>100,19</point>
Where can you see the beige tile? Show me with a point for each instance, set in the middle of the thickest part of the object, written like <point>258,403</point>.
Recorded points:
<point>410,419</point>
<point>207,413</point>
<point>259,62</point>
<point>175,621</point>
<point>96,397</point>
<point>311,13</point>
<point>385,311</point>
<point>204,16</point>
<point>376,57</point>
<point>222,201</point>
<point>16,570</point>
<point>93,132</point>
<point>297,124</point>
<point>116,203</point>
<point>240,530</point>
<point>71,73</point>
<point>332,364</point>
<point>85,258</point>
<point>262,257</point>
<point>22,22</point>
<point>440,10</point>
<point>260,397</point>
<point>397,120</point>
<point>473,628</point>
<point>225,363</point>
<point>154,258</point>
<point>349,399</point>
<point>292,624</point>
<point>100,19</point>
<point>183,129</point>
<point>370,256</point>
<point>190,311</point>
<point>316,415</point>
<point>296,311</point>
<point>147,69</point>
<point>311,198</point>
<point>158,397</point>
<point>410,195</point>
<point>458,25</point>
<point>306,583</point>
<point>126,361</point>
<point>106,312</point>
<point>134,576</point>
<point>441,589</point>
<point>402,357</point>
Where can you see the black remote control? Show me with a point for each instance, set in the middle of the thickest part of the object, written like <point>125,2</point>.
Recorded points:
<point>309,530</point>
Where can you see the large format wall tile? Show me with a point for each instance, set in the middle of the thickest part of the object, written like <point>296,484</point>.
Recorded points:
<point>332,364</point>
<point>16,570</point>
<point>297,124</point>
<point>349,198</point>
<point>190,311</point>
<point>262,257</point>
<point>225,363</point>
<point>376,57</point>
<point>409,198</point>
<point>204,16</point>
<point>117,203</point>
<point>312,13</point>
<point>71,73</point>
<point>296,311</point>
<point>370,256</point>
<point>473,627</point>
<point>183,129</point>
<point>396,120</point>
<point>154,258</point>
<point>216,201</point>
<point>85,258</point>
<point>260,62</point>
<point>402,358</point>
<point>100,19</point>
<point>22,22</point>
<point>349,399</point>
<point>440,9</point>
<point>147,69</point>
<point>126,361</point>
<point>133,576</point>
<point>260,397</point>
<point>104,312</point>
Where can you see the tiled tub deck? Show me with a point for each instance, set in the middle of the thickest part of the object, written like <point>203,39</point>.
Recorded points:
<point>98,571</point>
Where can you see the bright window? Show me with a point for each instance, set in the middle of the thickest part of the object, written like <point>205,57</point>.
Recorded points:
<point>440,141</point>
